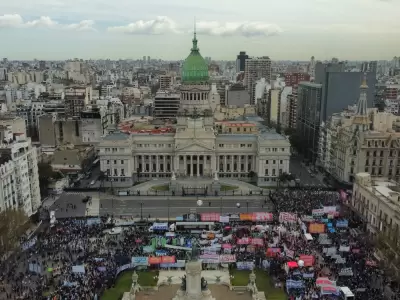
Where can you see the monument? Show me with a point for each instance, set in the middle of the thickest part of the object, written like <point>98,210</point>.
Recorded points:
<point>193,287</point>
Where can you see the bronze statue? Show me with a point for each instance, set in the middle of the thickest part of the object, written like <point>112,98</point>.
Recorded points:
<point>195,253</point>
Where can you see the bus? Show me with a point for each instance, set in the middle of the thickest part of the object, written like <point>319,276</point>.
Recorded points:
<point>194,227</point>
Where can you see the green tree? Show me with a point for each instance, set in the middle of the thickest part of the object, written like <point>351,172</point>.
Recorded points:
<point>13,224</point>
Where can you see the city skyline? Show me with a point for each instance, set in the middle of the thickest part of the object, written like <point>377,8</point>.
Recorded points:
<point>289,29</point>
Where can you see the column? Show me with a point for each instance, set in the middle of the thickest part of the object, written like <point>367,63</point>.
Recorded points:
<point>165,163</point>
<point>191,165</point>
<point>225,170</point>
<point>232,162</point>
<point>157,164</point>
<point>214,167</point>
<point>150,164</point>
<point>246,164</point>
<point>198,165</point>
<point>143,163</point>
<point>184,166</point>
<point>239,162</point>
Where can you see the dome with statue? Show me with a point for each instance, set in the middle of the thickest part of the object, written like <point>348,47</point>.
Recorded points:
<point>195,68</point>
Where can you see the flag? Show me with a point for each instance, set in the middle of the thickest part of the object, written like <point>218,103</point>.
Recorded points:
<point>287,217</point>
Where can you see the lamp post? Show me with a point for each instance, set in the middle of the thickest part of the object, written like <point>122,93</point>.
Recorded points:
<point>199,203</point>
<point>238,205</point>
<point>141,211</point>
<point>168,209</point>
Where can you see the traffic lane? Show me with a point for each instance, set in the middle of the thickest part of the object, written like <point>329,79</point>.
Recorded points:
<point>69,206</point>
<point>174,211</point>
<point>301,172</point>
<point>184,203</point>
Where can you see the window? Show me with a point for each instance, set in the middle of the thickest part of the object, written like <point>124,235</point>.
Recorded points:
<point>266,172</point>
<point>242,145</point>
<point>283,149</point>
<point>249,145</point>
<point>273,172</point>
<point>266,162</point>
<point>221,145</point>
<point>274,149</point>
<point>122,161</point>
<point>281,162</point>
<point>107,149</point>
<point>280,171</point>
<point>122,172</point>
<point>115,162</point>
<point>274,162</point>
<point>108,162</point>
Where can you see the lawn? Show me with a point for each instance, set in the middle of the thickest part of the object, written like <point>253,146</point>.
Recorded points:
<point>263,281</point>
<point>225,188</point>
<point>124,282</point>
<point>160,188</point>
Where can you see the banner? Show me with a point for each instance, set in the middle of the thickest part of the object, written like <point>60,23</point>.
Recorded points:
<point>287,217</point>
<point>271,252</point>
<point>246,217</point>
<point>140,261</point>
<point>35,268</point>
<point>329,290</point>
<point>289,253</point>
<point>318,212</point>
<point>321,281</point>
<point>177,247</point>
<point>245,265</point>
<point>342,223</point>
<point>224,219</point>
<point>344,248</point>
<point>294,284</point>
<point>308,260</point>
<point>210,217</point>
<point>346,272</point>
<point>307,218</point>
<point>263,216</point>
<point>154,260</point>
<point>167,259</point>
<point>123,268</point>
<point>209,256</point>
<point>243,241</point>
<point>308,275</point>
<point>340,260</point>
<point>316,228</point>
<point>227,258</point>
<point>257,241</point>
<point>161,252</point>
<point>160,226</point>
<point>78,269</point>
<point>178,264</point>
<point>29,244</point>
<point>148,249</point>
<point>330,209</point>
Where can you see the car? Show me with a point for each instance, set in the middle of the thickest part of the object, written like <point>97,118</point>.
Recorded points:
<point>92,182</point>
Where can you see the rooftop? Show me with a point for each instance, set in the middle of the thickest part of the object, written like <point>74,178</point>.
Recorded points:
<point>116,136</point>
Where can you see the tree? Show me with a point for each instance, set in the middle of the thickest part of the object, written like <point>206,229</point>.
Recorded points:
<point>252,175</point>
<point>13,224</point>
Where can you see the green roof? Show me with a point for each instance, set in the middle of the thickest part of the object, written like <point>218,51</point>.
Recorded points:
<point>195,68</point>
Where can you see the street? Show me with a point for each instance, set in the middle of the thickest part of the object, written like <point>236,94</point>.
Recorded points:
<point>301,172</point>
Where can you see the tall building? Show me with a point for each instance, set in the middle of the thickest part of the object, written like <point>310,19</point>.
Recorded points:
<point>291,109</point>
<point>3,74</point>
<point>308,118</point>
<point>241,61</point>
<point>292,79</point>
<point>363,140</point>
<point>166,104</point>
<point>165,82</point>
<point>340,88</point>
<point>19,178</point>
<point>237,95</point>
<point>255,69</point>
<point>76,98</point>
<point>369,66</point>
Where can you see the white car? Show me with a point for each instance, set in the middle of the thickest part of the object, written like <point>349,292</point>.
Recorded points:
<point>92,182</point>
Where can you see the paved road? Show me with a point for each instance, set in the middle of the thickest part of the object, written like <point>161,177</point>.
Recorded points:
<point>156,207</point>
<point>297,169</point>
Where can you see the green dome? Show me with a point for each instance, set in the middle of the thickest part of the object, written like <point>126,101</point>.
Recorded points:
<point>195,68</point>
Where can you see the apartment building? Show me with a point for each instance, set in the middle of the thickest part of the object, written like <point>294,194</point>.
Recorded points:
<point>255,69</point>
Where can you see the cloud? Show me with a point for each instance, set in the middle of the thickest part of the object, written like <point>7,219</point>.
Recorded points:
<point>16,21</point>
<point>247,29</point>
<point>160,25</point>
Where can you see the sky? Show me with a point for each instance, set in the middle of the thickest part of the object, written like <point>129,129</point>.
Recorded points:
<point>163,29</point>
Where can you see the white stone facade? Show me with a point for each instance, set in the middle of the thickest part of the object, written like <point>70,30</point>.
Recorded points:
<point>19,186</point>
<point>195,150</point>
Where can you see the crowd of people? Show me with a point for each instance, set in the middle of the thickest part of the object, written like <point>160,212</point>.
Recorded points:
<point>80,258</point>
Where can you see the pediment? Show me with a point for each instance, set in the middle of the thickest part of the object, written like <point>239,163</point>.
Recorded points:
<point>194,147</point>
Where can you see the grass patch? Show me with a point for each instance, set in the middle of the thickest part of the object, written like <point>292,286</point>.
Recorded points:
<point>160,188</point>
<point>263,281</point>
<point>225,188</point>
<point>124,282</point>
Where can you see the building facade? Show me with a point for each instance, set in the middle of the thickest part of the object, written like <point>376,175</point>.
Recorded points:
<point>194,148</point>
<point>166,104</point>
<point>255,69</point>
<point>19,183</point>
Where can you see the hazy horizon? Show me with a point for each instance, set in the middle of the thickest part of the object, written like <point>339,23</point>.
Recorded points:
<point>284,30</point>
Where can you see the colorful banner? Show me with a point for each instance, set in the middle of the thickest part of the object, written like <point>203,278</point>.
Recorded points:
<point>246,217</point>
<point>271,252</point>
<point>140,261</point>
<point>245,265</point>
<point>168,259</point>
<point>308,260</point>
<point>210,217</point>
<point>289,253</point>
<point>257,241</point>
<point>263,216</point>
<point>244,241</point>
<point>329,209</point>
<point>318,212</point>
<point>227,258</point>
<point>287,217</point>
<point>316,228</point>
<point>154,260</point>
<point>342,223</point>
<point>224,219</point>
